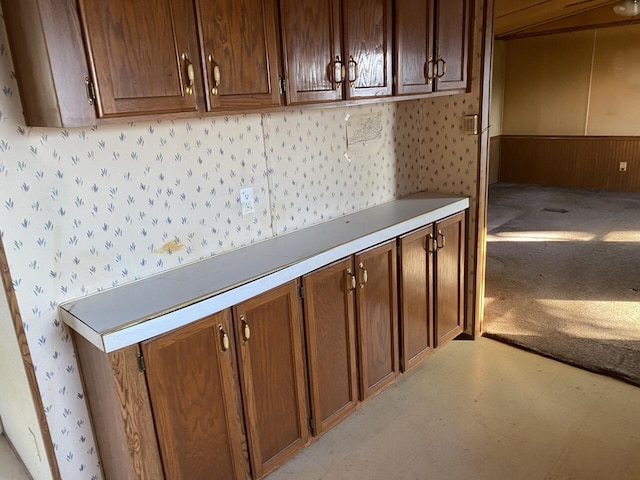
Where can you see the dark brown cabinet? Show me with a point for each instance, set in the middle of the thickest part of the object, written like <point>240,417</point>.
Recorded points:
<point>449,238</point>
<point>416,296</point>
<point>377,317</point>
<point>272,372</point>
<point>195,398</point>
<point>320,66</point>
<point>240,53</point>
<point>329,313</point>
<point>432,45</point>
<point>234,395</point>
<point>143,55</point>
<point>431,288</point>
<point>452,44</point>
<point>158,57</point>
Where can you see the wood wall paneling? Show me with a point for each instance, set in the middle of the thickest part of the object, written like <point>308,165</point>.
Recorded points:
<point>579,162</point>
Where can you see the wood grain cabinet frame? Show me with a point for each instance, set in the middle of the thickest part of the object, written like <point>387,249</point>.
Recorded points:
<point>144,56</point>
<point>377,317</point>
<point>416,296</point>
<point>432,45</point>
<point>231,396</point>
<point>337,50</point>
<point>240,53</point>
<point>195,395</point>
<point>449,271</point>
<point>268,329</point>
<point>431,288</point>
<point>330,325</point>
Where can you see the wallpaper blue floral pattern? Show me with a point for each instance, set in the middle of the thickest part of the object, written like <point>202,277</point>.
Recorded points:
<point>84,210</point>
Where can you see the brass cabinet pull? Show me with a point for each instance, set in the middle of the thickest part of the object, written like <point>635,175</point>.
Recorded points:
<point>191,74</point>
<point>429,73</point>
<point>246,331</point>
<point>433,245</point>
<point>356,71</point>
<point>444,67</point>
<point>339,72</point>
<point>215,73</point>
<point>364,277</point>
<point>351,279</point>
<point>224,337</point>
<point>444,240</point>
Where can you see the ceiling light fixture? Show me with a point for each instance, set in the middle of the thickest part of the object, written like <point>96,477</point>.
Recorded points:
<point>627,8</point>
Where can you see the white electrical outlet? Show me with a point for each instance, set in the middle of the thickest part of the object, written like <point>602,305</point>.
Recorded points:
<point>246,200</point>
<point>623,167</point>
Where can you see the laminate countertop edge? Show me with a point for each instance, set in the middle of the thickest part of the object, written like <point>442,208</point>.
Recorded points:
<point>137,311</point>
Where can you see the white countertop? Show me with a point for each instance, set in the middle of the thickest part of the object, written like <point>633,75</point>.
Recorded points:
<point>134,312</point>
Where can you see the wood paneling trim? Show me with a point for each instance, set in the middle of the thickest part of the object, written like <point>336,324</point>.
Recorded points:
<point>124,428</point>
<point>5,277</point>
<point>476,243</point>
<point>571,161</point>
<point>494,159</point>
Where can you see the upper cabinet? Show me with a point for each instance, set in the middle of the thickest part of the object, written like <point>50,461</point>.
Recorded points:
<point>452,44</point>
<point>240,53</point>
<point>151,56</point>
<point>432,45</point>
<point>143,56</point>
<point>320,66</point>
<point>84,61</point>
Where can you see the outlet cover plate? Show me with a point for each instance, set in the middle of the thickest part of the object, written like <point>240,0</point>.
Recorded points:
<point>247,201</point>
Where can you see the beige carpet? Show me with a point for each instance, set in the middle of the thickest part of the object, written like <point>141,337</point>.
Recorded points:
<point>563,275</point>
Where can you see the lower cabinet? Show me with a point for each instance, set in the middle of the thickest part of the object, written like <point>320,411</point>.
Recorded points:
<point>377,317</point>
<point>234,395</point>
<point>196,401</point>
<point>449,278</point>
<point>272,375</point>
<point>416,296</point>
<point>431,287</point>
<point>329,313</point>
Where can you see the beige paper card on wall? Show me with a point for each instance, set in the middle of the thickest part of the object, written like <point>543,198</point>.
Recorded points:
<point>364,134</point>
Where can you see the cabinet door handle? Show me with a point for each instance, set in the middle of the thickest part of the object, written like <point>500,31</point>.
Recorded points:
<point>351,281</point>
<point>444,240</point>
<point>428,71</point>
<point>246,331</point>
<point>224,338</point>
<point>430,243</point>
<point>215,73</point>
<point>364,277</point>
<point>339,72</point>
<point>444,67</point>
<point>191,75</point>
<point>356,71</point>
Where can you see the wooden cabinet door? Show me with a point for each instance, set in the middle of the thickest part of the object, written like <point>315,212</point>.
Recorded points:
<point>414,46</point>
<point>329,312</point>
<point>311,37</point>
<point>136,51</point>
<point>452,44</point>
<point>416,296</point>
<point>268,329</point>
<point>195,400</point>
<point>377,317</point>
<point>449,280</point>
<point>240,53</point>
<point>368,48</point>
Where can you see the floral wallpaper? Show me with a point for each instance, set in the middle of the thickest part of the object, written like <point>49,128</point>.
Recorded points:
<point>83,210</point>
<point>450,155</point>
